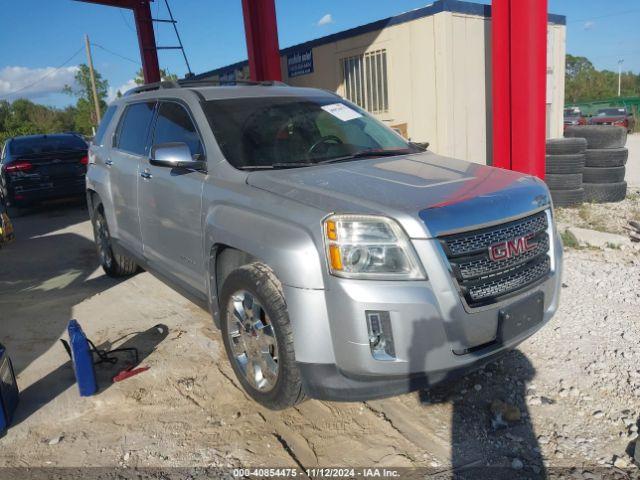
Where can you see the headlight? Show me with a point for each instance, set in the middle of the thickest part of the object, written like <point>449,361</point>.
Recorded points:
<point>369,247</point>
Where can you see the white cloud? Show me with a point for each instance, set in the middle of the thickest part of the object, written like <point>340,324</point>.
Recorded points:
<point>113,92</point>
<point>589,25</point>
<point>25,82</point>
<point>325,20</point>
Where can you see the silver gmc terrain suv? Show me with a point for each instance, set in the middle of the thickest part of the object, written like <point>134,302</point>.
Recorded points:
<point>339,260</point>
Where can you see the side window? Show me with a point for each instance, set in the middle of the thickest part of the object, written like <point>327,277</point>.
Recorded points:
<point>175,125</point>
<point>134,128</point>
<point>104,124</point>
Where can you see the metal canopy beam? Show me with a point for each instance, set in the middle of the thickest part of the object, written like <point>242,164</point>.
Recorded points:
<point>519,69</point>
<point>261,31</point>
<point>146,37</point>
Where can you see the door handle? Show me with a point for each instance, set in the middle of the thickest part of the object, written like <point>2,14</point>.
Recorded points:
<point>108,163</point>
<point>146,174</point>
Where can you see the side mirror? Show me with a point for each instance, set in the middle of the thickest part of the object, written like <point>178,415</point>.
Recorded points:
<point>175,155</point>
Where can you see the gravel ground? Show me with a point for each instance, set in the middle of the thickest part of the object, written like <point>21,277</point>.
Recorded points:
<point>568,398</point>
<point>604,217</point>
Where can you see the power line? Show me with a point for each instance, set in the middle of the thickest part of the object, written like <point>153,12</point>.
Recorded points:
<point>47,75</point>
<point>115,53</point>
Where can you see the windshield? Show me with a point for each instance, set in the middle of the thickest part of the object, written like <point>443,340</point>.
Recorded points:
<point>270,132</point>
<point>45,144</point>
<point>611,112</point>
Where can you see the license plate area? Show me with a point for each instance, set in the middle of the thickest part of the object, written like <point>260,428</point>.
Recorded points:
<point>524,315</point>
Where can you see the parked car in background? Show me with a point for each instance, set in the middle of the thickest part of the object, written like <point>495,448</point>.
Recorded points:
<point>573,117</point>
<point>340,261</point>
<point>34,168</point>
<point>617,116</point>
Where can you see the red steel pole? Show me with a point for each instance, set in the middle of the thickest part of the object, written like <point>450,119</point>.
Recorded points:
<point>261,31</point>
<point>146,38</point>
<point>529,85</point>
<point>501,82</point>
<point>146,41</point>
<point>519,68</point>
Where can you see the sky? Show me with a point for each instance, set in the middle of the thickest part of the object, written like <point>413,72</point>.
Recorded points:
<point>42,41</point>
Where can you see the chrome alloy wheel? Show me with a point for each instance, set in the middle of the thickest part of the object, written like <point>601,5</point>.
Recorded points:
<point>103,241</point>
<point>252,340</point>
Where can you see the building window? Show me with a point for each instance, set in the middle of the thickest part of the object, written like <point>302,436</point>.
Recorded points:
<point>365,80</point>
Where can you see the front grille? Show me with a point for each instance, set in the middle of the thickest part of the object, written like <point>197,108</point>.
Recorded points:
<point>483,281</point>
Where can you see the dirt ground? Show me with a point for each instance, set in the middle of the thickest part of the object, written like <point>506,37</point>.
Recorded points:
<point>569,397</point>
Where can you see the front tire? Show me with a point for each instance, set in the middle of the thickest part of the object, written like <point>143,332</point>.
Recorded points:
<point>114,264</point>
<point>258,337</point>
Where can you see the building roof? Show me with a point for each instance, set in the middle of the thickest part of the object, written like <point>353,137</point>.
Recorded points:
<point>455,6</point>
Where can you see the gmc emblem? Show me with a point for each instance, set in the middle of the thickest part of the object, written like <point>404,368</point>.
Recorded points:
<point>511,248</point>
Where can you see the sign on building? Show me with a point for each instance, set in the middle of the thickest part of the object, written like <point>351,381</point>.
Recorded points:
<point>300,63</point>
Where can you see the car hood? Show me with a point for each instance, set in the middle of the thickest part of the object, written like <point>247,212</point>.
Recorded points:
<point>429,194</point>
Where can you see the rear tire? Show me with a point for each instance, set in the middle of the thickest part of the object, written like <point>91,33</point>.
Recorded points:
<point>604,174</point>
<point>605,192</point>
<point>567,198</point>
<point>15,212</point>
<point>114,264</point>
<point>599,136</point>
<point>258,337</point>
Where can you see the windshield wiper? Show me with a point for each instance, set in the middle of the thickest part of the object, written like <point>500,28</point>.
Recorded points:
<point>374,152</point>
<point>275,166</point>
<point>369,153</point>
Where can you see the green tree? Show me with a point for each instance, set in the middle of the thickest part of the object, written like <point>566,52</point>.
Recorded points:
<point>165,76</point>
<point>585,83</point>
<point>86,117</point>
<point>23,117</point>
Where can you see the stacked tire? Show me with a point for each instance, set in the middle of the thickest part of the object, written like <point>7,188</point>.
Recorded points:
<point>565,162</point>
<point>605,160</point>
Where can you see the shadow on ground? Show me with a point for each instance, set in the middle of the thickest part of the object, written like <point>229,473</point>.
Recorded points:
<point>43,275</point>
<point>49,269</point>
<point>46,389</point>
<point>492,436</point>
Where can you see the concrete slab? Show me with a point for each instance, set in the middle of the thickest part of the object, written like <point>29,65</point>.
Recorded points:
<point>594,238</point>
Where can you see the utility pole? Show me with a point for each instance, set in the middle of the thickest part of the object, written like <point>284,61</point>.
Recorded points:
<point>620,62</point>
<point>96,102</point>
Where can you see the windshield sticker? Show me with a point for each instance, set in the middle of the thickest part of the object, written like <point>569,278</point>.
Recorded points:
<point>341,111</point>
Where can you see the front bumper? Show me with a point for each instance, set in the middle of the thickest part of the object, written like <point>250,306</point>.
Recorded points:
<point>436,335</point>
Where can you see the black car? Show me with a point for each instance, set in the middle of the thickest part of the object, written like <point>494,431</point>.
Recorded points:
<point>34,168</point>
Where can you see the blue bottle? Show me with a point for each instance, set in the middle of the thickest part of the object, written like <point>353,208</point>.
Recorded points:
<point>8,391</point>
<point>82,360</point>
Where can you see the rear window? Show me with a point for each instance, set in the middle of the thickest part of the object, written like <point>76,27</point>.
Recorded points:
<point>45,144</point>
<point>104,124</point>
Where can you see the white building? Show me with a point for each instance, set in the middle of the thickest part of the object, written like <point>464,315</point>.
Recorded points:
<point>426,72</point>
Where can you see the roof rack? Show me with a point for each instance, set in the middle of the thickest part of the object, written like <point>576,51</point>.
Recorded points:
<point>190,82</point>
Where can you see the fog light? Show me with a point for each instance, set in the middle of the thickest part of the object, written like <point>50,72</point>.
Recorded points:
<point>380,335</point>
